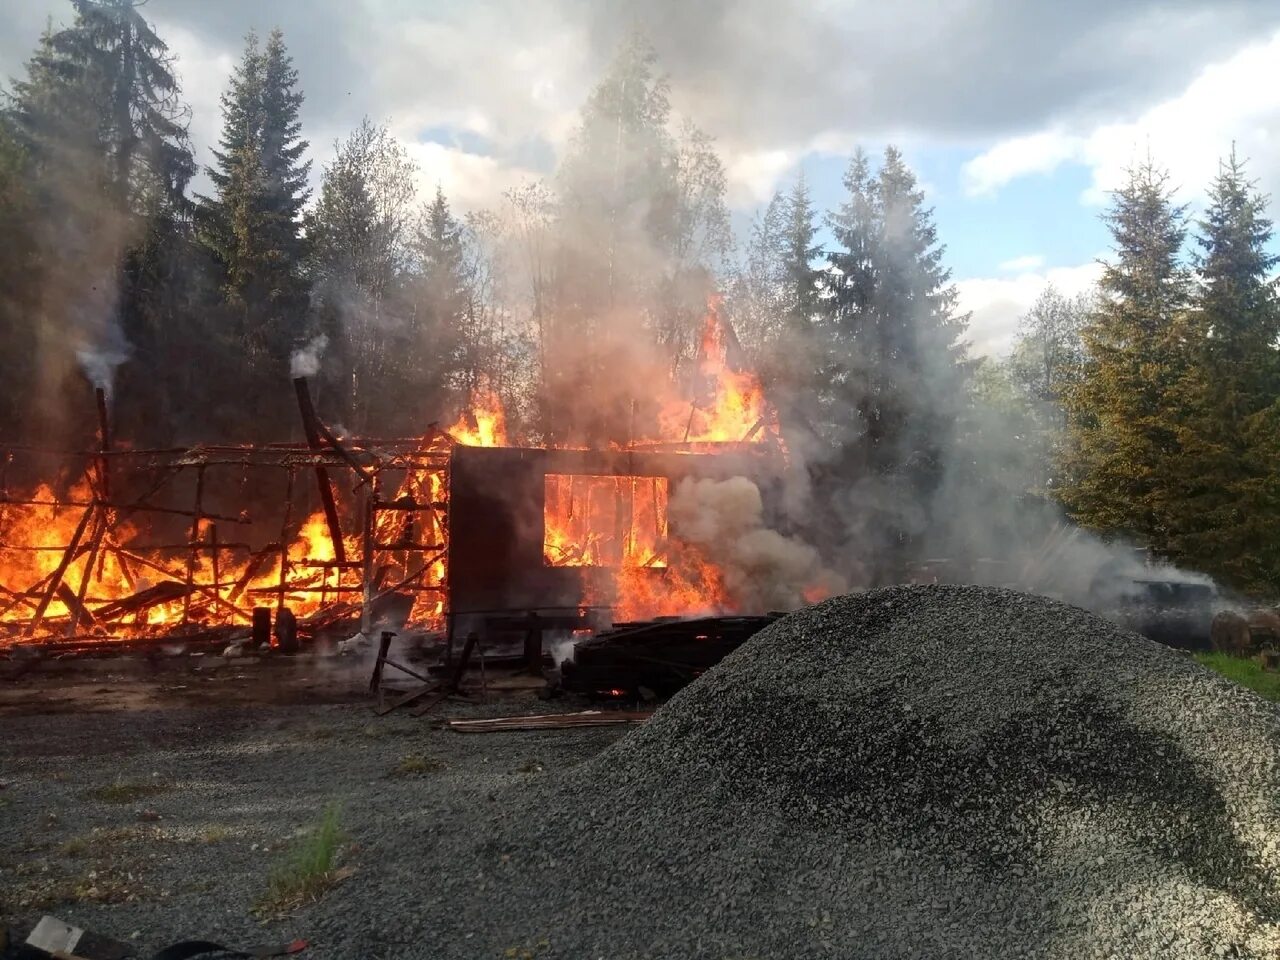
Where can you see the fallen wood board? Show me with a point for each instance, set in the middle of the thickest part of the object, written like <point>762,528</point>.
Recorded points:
<point>553,721</point>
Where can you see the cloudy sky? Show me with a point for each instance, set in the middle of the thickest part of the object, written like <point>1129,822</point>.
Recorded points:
<point>1018,117</point>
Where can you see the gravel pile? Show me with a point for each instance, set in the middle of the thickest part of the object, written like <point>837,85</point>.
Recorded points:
<point>914,772</point>
<point>926,772</point>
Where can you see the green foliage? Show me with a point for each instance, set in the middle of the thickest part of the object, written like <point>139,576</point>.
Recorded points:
<point>1247,673</point>
<point>1126,410</point>
<point>252,224</point>
<point>1226,519</point>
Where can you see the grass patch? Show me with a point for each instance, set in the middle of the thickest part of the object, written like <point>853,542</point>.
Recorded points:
<point>415,765</point>
<point>124,791</point>
<point>308,869</point>
<point>214,833</point>
<point>1247,673</point>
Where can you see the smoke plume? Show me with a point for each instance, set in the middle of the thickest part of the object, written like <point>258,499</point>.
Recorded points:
<point>305,361</point>
<point>763,569</point>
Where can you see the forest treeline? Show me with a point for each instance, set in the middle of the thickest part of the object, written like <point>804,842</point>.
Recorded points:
<point>1148,409</point>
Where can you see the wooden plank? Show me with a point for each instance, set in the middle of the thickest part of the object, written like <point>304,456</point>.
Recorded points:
<point>552,721</point>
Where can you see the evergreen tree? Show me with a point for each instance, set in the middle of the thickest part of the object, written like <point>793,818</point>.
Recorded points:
<point>1225,514</point>
<point>252,223</point>
<point>757,293</point>
<point>100,118</point>
<point>800,253</point>
<point>18,271</point>
<point>442,303</point>
<point>1125,413</point>
<point>892,353</point>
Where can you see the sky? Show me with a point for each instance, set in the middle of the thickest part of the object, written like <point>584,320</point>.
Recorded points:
<point>1018,118</point>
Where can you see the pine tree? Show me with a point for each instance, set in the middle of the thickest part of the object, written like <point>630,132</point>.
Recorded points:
<point>1125,413</point>
<point>252,224</point>
<point>790,367</point>
<point>1225,515</point>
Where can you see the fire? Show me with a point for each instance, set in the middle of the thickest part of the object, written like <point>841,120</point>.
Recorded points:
<point>728,404</point>
<point>610,521</point>
<point>613,528</point>
<point>485,423</point>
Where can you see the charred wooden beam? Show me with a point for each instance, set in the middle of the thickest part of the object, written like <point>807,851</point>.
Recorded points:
<point>55,579</point>
<point>310,426</point>
<point>104,443</point>
<point>125,507</point>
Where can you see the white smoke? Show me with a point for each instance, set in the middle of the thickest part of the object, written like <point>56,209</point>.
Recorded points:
<point>763,569</point>
<point>305,361</point>
<point>99,361</point>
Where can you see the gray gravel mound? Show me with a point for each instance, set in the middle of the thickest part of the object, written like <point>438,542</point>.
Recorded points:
<point>913,772</point>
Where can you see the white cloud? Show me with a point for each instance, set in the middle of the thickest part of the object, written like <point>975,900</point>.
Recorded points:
<point>753,177</point>
<point>997,303</point>
<point>203,70</point>
<point>470,181</point>
<point>1018,157</point>
<point>1032,261</point>
<point>1236,100</point>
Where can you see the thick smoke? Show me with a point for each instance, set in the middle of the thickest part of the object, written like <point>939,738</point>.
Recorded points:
<point>763,570</point>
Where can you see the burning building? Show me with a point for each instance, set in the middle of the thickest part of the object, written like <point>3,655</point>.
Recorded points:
<point>461,530</point>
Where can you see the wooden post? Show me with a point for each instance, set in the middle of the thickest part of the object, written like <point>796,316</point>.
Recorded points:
<point>322,473</point>
<point>366,602</point>
<point>104,443</point>
<point>95,542</point>
<point>284,542</point>
<point>384,647</point>
<point>261,633</point>
<point>193,556</point>
<point>213,558</point>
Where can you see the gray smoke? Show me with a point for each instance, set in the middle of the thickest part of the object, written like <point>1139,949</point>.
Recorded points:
<point>763,569</point>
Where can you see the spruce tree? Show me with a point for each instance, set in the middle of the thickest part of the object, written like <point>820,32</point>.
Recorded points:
<point>100,119</point>
<point>442,300</point>
<point>1225,514</point>
<point>252,223</point>
<point>892,352</point>
<point>791,366</point>
<point>1126,413</point>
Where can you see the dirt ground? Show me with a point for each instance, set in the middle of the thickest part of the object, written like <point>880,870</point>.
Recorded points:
<point>150,801</point>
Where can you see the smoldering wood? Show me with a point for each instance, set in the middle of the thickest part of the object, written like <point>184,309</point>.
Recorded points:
<point>162,593</point>
<point>330,506</point>
<point>193,556</point>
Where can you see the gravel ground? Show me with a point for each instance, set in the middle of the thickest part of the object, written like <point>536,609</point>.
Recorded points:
<point>232,788</point>
<point>925,772</point>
